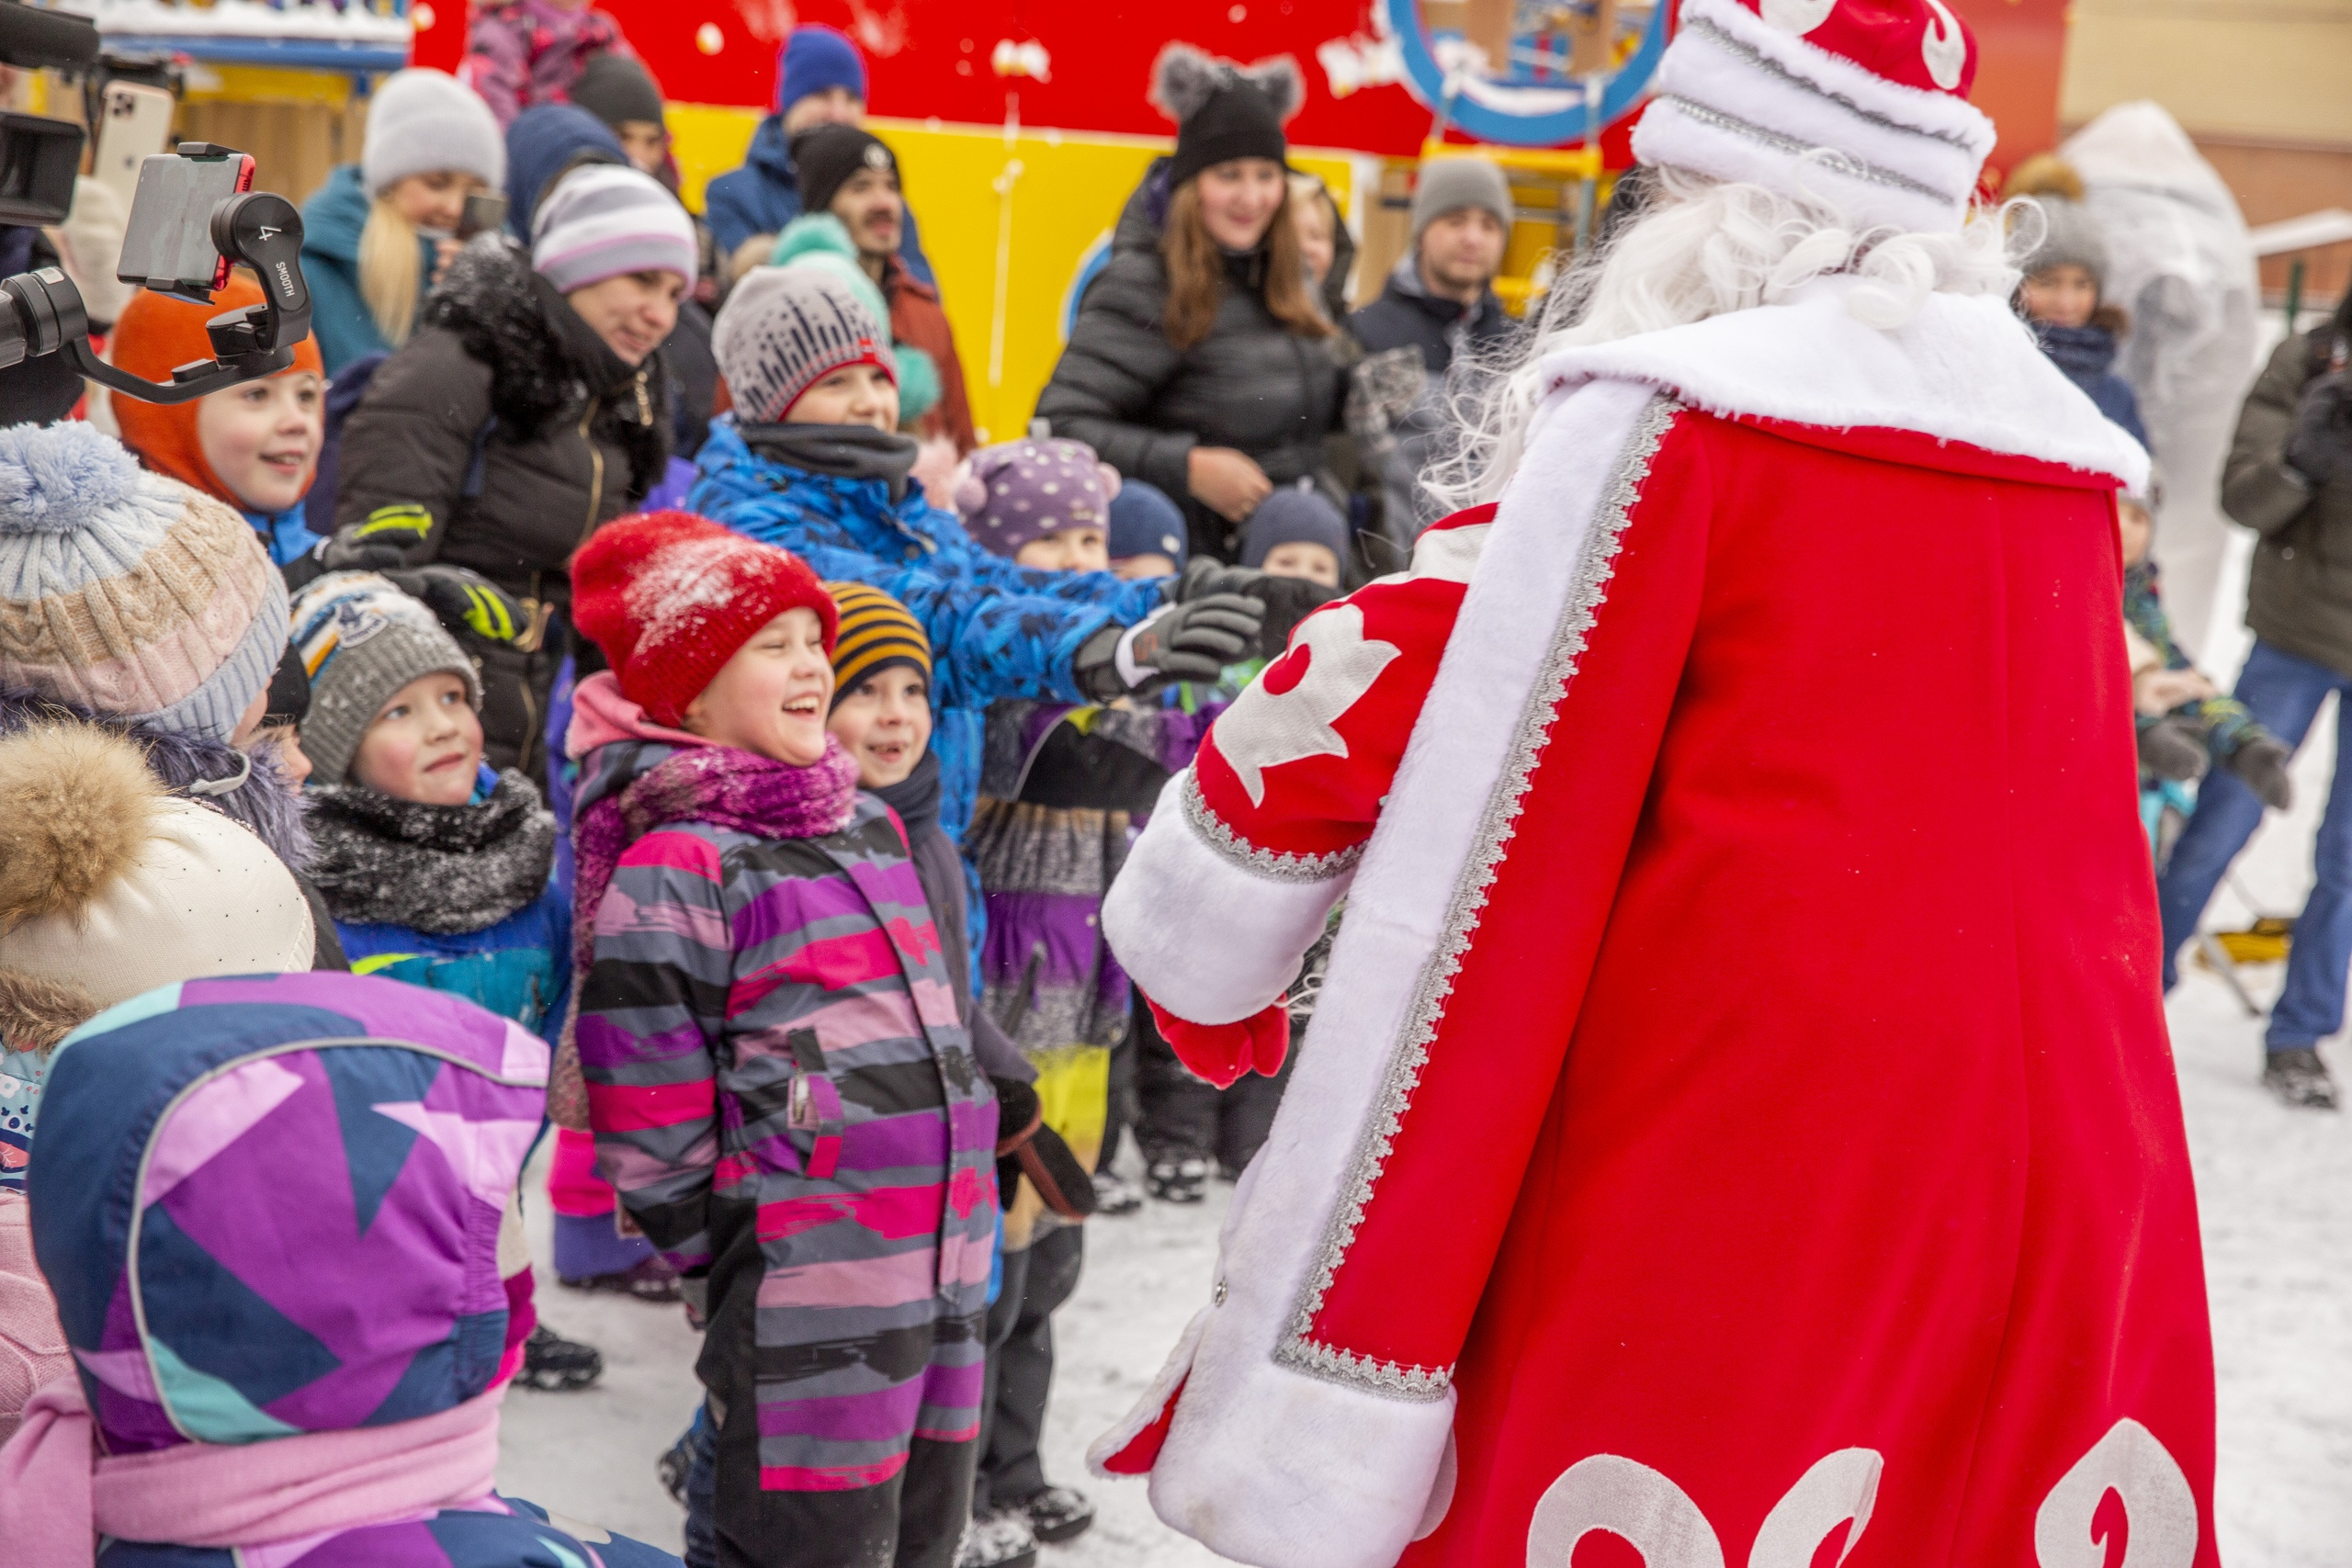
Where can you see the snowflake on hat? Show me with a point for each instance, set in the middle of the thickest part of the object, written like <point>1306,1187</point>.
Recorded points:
<point>1011,494</point>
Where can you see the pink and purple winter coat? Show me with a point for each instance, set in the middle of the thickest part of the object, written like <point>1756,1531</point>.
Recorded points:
<point>270,1208</point>
<point>525,52</point>
<point>784,1097</point>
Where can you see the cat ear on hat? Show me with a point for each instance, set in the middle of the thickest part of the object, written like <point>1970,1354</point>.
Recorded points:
<point>968,487</point>
<point>1111,480</point>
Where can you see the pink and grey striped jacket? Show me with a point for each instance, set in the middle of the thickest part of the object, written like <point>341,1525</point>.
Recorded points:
<point>782,1096</point>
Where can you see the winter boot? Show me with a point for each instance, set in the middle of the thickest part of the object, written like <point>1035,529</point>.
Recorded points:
<point>2298,1078</point>
<point>1115,1194</point>
<point>1056,1513</point>
<point>1178,1180</point>
<point>556,1365</point>
<point>649,1279</point>
<point>1000,1540</point>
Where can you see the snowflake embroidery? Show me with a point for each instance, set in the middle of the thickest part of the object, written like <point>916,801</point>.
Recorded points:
<point>1265,728</point>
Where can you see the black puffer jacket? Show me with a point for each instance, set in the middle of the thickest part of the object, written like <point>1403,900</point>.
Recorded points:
<point>1252,384</point>
<point>2300,597</point>
<point>499,435</point>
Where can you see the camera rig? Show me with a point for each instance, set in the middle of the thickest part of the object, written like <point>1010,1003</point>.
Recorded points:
<point>258,229</point>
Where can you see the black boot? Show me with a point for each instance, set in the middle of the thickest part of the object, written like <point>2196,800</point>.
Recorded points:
<point>553,1364</point>
<point>1055,1513</point>
<point>2299,1079</point>
<point>1178,1180</point>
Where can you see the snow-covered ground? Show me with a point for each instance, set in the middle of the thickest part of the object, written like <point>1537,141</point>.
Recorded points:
<point>2275,1187</point>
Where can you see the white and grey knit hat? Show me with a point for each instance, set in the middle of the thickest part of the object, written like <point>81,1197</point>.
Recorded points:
<point>2070,236</point>
<point>602,220</point>
<point>362,639</point>
<point>420,121</point>
<point>784,329</point>
<point>1454,183</point>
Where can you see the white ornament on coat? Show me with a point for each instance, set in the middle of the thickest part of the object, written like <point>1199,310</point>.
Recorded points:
<point>1264,729</point>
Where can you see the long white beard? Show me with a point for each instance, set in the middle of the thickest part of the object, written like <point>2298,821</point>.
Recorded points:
<point>1705,248</point>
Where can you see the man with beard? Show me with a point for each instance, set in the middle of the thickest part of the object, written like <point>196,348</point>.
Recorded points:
<point>1442,291</point>
<point>850,173</point>
<point>1737,1131</point>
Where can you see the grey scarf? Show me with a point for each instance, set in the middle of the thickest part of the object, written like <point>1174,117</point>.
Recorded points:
<point>450,870</point>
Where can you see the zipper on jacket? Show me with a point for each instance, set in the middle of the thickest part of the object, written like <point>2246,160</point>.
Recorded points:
<point>596,466</point>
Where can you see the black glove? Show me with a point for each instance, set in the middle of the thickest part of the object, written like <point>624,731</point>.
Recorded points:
<point>2174,747</point>
<point>464,600</point>
<point>1189,641</point>
<point>1285,601</point>
<point>2321,446</point>
<point>2261,763</point>
<point>1027,1147</point>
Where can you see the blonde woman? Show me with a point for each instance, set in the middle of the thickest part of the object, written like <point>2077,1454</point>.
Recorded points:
<point>376,235</point>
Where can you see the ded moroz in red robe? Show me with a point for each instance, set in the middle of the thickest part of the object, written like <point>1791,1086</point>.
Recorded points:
<point>1738,1116</point>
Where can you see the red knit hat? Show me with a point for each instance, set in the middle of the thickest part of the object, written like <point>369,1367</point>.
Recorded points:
<point>670,597</point>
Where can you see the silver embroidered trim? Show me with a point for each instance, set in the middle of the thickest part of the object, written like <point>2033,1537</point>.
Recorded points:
<point>1268,863</point>
<point>1749,54</point>
<point>1497,823</point>
<point>1830,158</point>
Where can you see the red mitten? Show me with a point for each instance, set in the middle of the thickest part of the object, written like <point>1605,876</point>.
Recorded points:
<point>1222,1052</point>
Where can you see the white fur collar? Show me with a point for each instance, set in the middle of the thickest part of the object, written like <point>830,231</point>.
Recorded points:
<point>1963,369</point>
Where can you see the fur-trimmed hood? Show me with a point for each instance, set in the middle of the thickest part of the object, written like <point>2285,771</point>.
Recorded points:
<point>266,801</point>
<point>543,360</point>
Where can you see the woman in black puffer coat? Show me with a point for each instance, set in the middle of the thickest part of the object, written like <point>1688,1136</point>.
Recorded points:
<point>532,408</point>
<point>1200,361</point>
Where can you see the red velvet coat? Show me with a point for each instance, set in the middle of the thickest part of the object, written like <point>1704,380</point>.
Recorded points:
<point>1738,1116</point>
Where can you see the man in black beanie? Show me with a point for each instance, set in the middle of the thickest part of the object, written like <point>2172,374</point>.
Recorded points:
<point>850,173</point>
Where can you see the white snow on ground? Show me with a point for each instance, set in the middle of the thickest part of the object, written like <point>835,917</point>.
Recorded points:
<point>2275,1188</point>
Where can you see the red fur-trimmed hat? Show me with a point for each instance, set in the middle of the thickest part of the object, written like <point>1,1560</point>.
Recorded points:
<point>670,597</point>
<point>1860,104</point>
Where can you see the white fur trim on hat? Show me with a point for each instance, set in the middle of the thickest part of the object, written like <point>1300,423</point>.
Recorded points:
<point>420,121</point>
<point>1740,99</point>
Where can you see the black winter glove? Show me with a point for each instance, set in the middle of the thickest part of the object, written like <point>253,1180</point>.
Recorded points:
<point>1189,641</point>
<point>2261,763</point>
<point>464,600</point>
<point>2174,747</point>
<point>1027,1147</point>
<point>1286,601</point>
<point>2321,446</point>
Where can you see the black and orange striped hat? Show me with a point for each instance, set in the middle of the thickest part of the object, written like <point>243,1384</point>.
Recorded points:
<point>877,632</point>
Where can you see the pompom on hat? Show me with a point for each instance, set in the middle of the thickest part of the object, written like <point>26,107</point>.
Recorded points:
<point>1223,110</point>
<point>1858,105</point>
<point>670,597</point>
<point>110,887</point>
<point>128,592</point>
<point>1010,494</point>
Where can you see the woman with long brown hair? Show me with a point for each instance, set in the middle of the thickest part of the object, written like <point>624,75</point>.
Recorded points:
<point>1200,361</point>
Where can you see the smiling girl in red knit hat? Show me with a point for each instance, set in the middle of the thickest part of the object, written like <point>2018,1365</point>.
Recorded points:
<point>781,1088</point>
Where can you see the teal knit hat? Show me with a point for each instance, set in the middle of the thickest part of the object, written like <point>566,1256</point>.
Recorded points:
<point>127,591</point>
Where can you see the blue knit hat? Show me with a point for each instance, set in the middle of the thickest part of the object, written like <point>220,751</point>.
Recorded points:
<point>127,591</point>
<point>813,58</point>
<point>1144,522</point>
<point>1299,515</point>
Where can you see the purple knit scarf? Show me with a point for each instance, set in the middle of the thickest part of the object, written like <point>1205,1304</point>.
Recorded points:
<point>717,784</point>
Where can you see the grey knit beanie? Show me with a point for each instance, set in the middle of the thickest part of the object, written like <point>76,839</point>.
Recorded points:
<point>1449,184</point>
<point>784,329</point>
<point>362,639</point>
<point>2072,238</point>
<point>601,220</point>
<point>420,121</point>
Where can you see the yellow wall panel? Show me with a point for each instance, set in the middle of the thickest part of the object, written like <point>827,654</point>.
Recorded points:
<point>1006,225</point>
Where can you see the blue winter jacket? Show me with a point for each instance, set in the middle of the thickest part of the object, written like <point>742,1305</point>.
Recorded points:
<point>2087,357</point>
<point>332,221</point>
<point>763,195</point>
<point>996,630</point>
<point>286,535</point>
